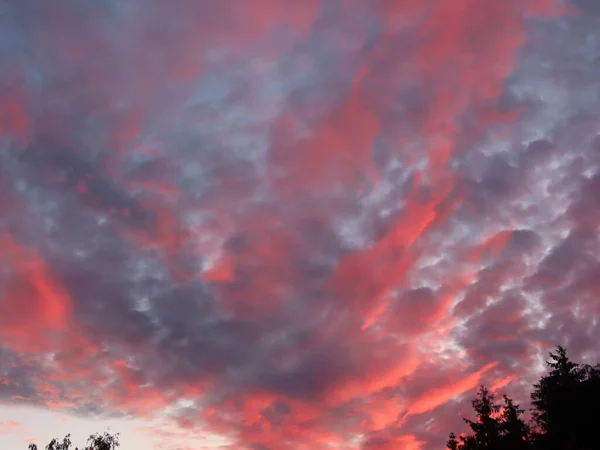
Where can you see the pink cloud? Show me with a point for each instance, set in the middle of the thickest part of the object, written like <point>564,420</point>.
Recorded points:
<point>11,427</point>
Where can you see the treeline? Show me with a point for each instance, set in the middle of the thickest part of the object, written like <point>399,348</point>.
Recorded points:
<point>565,413</point>
<point>105,441</point>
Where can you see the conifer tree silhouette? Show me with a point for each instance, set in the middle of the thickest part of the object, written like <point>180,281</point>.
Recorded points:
<point>565,405</point>
<point>452,443</point>
<point>565,413</point>
<point>486,428</point>
<point>514,430</point>
<point>555,404</point>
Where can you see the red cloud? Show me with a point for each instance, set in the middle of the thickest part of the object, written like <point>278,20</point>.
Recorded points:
<point>35,308</point>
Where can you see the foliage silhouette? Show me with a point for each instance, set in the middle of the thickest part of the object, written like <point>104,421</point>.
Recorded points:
<point>565,405</point>
<point>104,441</point>
<point>97,441</point>
<point>515,432</point>
<point>487,429</point>
<point>453,442</point>
<point>563,402</point>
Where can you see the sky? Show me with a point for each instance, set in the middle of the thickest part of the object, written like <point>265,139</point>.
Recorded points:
<point>273,225</point>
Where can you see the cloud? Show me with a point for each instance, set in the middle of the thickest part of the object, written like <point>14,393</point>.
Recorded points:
<point>408,442</point>
<point>9,426</point>
<point>437,396</point>
<point>294,227</point>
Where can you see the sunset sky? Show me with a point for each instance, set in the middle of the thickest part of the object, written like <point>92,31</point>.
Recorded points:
<point>291,224</point>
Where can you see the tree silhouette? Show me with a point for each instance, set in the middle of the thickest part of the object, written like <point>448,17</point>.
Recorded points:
<point>565,415</point>
<point>487,428</point>
<point>552,398</point>
<point>514,430</point>
<point>588,405</point>
<point>104,441</point>
<point>497,427</point>
<point>452,443</point>
<point>563,404</point>
<point>56,444</point>
<point>97,441</point>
